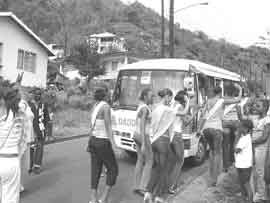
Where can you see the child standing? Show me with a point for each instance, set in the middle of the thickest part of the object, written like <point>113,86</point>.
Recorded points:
<point>244,157</point>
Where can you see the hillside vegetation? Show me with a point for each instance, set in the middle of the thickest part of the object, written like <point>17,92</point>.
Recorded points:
<point>68,21</point>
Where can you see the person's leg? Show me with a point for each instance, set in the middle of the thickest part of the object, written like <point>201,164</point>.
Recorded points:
<point>10,173</point>
<point>138,168</point>
<point>245,181</point>
<point>32,153</point>
<point>109,160</point>
<point>217,166</point>
<point>259,174</point>
<point>162,186</point>
<point>96,167</point>
<point>226,147</point>
<point>39,155</point>
<point>241,182</point>
<point>147,167</point>
<point>178,149</point>
<point>210,138</point>
<point>24,166</point>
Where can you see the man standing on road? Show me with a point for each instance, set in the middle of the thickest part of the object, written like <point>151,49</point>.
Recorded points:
<point>41,118</point>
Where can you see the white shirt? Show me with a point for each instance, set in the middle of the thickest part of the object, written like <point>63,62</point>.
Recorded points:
<point>243,159</point>
<point>11,131</point>
<point>178,123</point>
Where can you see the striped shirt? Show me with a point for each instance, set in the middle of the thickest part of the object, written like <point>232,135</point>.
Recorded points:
<point>11,131</point>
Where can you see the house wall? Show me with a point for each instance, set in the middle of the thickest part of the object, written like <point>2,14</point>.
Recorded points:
<point>109,67</point>
<point>14,38</point>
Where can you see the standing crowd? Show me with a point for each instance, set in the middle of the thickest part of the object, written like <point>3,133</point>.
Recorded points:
<point>236,129</point>
<point>23,124</point>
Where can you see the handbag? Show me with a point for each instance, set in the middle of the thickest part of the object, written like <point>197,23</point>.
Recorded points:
<point>267,160</point>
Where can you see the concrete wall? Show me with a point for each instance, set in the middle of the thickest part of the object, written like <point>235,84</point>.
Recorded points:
<point>14,38</point>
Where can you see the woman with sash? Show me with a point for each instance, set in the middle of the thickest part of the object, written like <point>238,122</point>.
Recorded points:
<point>141,137</point>
<point>11,135</point>
<point>101,145</point>
<point>162,128</point>
<point>181,108</point>
<point>211,128</point>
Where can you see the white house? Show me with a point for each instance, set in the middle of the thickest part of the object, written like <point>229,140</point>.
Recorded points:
<point>21,50</point>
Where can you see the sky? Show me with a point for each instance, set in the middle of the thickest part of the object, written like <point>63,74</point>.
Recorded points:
<point>238,21</point>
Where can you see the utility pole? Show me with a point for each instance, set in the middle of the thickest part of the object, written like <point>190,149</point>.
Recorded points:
<point>171,46</point>
<point>162,29</point>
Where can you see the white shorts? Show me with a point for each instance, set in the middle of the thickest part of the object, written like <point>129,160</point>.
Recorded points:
<point>10,180</point>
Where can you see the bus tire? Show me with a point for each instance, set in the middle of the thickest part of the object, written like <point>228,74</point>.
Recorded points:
<point>201,153</point>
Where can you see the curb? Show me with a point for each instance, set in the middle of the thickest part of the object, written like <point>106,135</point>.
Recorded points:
<point>64,139</point>
<point>190,189</point>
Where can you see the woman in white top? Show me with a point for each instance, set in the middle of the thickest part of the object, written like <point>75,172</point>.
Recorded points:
<point>211,128</point>
<point>101,145</point>
<point>162,124</point>
<point>141,137</point>
<point>11,132</point>
<point>181,107</point>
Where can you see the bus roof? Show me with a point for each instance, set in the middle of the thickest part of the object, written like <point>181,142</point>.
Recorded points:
<point>184,65</point>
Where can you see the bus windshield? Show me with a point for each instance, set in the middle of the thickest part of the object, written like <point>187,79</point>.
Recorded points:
<point>131,82</point>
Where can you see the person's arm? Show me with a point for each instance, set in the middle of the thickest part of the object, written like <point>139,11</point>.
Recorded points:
<point>143,115</point>
<point>192,118</point>
<point>262,139</point>
<point>108,123</point>
<point>229,100</point>
<point>239,112</point>
<point>185,110</point>
<point>46,115</point>
<point>206,109</point>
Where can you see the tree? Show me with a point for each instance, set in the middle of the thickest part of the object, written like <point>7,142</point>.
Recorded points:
<point>4,5</point>
<point>86,59</point>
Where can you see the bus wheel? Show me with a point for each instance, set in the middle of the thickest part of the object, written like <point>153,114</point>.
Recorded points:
<point>201,154</point>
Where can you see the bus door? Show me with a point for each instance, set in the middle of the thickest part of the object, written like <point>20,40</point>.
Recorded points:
<point>191,85</point>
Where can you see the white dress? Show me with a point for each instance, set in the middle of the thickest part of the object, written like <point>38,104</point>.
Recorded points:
<point>10,137</point>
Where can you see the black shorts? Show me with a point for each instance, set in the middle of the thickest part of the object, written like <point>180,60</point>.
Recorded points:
<point>244,174</point>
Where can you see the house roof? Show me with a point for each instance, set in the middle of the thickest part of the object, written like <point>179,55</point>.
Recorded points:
<point>183,65</point>
<point>101,35</point>
<point>27,30</point>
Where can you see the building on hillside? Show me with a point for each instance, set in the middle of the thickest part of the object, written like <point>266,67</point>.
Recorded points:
<point>113,53</point>
<point>107,42</point>
<point>21,50</point>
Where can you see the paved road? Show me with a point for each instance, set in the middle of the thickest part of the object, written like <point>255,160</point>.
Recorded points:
<point>66,176</point>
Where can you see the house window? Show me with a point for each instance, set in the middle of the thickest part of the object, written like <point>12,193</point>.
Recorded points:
<point>26,61</point>
<point>1,54</point>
